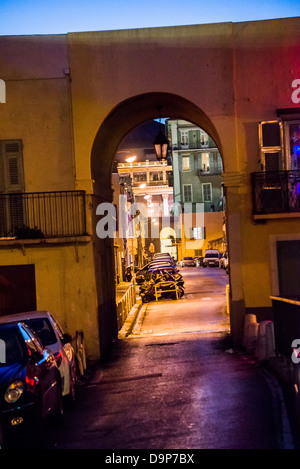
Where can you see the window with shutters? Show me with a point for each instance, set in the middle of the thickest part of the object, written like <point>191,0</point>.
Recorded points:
<point>271,145</point>
<point>11,186</point>
<point>184,138</point>
<point>12,179</point>
<point>187,192</point>
<point>207,192</point>
<point>276,188</point>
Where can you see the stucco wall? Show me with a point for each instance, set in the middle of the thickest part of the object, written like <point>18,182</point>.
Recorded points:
<point>38,108</point>
<point>65,285</point>
<point>90,89</point>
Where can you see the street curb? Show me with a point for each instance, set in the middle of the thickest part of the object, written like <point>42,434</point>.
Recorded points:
<point>130,321</point>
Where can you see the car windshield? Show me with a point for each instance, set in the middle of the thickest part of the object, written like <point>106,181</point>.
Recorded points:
<point>43,329</point>
<point>188,258</point>
<point>211,255</point>
<point>11,350</point>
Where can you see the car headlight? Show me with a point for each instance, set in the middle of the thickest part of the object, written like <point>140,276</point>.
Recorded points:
<point>14,392</point>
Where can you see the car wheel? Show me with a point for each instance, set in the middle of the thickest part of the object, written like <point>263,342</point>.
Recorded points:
<point>146,298</point>
<point>2,442</point>
<point>72,396</point>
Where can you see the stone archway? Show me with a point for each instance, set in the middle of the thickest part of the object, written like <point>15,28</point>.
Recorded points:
<point>131,113</point>
<point>121,120</point>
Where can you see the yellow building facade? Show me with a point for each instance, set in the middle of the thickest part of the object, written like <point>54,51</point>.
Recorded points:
<point>71,99</point>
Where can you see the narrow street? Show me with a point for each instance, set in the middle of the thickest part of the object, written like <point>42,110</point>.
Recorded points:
<point>174,383</point>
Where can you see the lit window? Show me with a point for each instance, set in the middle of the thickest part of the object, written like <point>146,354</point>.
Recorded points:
<point>203,138</point>
<point>205,162</point>
<point>186,163</point>
<point>198,233</point>
<point>294,145</point>
<point>184,137</point>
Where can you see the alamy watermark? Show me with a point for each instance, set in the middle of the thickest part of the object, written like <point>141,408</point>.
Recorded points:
<point>139,220</point>
<point>2,351</point>
<point>2,91</point>
<point>296,94</point>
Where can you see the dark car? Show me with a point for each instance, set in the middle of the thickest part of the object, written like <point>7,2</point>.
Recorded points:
<point>30,383</point>
<point>163,268</point>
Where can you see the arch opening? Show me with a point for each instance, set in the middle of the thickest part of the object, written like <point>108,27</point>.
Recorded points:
<point>121,121</point>
<point>131,113</point>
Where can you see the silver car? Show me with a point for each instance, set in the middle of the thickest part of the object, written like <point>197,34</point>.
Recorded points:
<point>57,342</point>
<point>187,262</point>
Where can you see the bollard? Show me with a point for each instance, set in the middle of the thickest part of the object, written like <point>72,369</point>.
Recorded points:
<point>265,346</point>
<point>251,336</point>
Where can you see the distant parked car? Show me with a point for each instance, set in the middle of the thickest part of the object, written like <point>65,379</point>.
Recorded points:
<point>159,263</point>
<point>30,382</point>
<point>57,341</point>
<point>187,262</point>
<point>211,258</point>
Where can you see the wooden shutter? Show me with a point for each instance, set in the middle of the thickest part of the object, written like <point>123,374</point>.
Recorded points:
<point>271,145</point>
<point>192,163</point>
<point>13,166</point>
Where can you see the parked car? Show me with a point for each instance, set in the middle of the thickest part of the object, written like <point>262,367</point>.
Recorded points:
<point>163,267</point>
<point>187,262</point>
<point>211,258</point>
<point>57,342</point>
<point>161,257</point>
<point>223,262</point>
<point>154,265</point>
<point>30,382</point>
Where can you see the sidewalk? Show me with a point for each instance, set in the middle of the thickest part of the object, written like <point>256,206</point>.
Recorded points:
<point>121,289</point>
<point>273,372</point>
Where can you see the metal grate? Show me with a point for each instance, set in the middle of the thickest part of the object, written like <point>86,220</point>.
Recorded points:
<point>276,192</point>
<point>42,214</point>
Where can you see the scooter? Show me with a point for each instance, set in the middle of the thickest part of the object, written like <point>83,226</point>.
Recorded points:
<point>162,286</point>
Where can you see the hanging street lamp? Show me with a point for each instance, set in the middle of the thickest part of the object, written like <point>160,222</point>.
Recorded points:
<point>161,143</point>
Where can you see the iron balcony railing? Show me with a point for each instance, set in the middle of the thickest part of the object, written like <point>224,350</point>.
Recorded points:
<point>276,192</point>
<point>42,214</point>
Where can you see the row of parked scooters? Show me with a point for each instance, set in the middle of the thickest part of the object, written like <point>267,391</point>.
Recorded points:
<point>161,283</point>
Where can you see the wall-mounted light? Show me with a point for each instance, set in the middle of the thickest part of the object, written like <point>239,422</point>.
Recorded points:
<point>161,143</point>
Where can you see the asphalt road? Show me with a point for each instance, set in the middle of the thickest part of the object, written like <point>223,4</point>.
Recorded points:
<point>174,383</point>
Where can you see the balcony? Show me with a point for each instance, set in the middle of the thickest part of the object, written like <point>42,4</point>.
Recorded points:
<point>38,215</point>
<point>276,192</point>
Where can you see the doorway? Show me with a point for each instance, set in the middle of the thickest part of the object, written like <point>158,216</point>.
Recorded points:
<point>17,289</point>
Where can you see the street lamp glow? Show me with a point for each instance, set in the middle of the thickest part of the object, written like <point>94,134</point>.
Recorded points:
<point>142,186</point>
<point>147,196</point>
<point>131,159</point>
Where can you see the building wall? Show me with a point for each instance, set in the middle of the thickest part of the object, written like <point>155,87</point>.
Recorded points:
<point>265,66</point>
<point>38,109</point>
<point>223,77</point>
<point>65,283</point>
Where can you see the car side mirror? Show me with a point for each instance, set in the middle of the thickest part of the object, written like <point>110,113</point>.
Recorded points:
<point>36,356</point>
<point>66,338</point>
